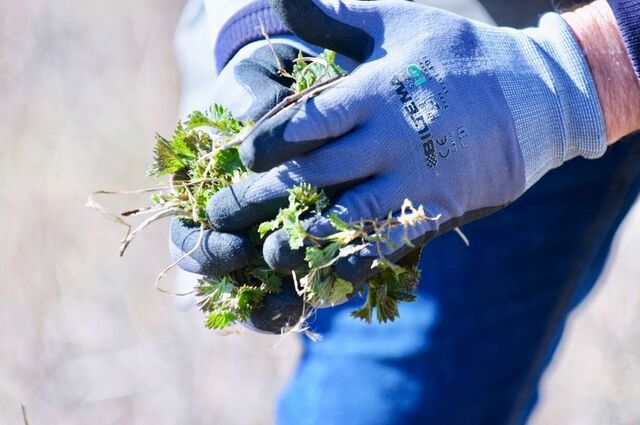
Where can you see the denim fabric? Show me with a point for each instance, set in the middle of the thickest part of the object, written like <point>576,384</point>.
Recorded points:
<point>473,347</point>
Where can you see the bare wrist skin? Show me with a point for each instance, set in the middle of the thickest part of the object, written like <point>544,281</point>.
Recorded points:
<point>597,32</point>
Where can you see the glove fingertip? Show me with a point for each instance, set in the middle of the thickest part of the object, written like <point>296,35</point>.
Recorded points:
<point>238,207</point>
<point>355,269</point>
<point>278,253</point>
<point>279,311</point>
<point>222,210</point>
<point>217,253</point>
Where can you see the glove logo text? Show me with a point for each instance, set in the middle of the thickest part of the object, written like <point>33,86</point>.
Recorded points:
<point>422,92</point>
<point>417,118</point>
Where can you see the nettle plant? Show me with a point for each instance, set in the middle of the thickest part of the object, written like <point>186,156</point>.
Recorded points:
<point>202,157</point>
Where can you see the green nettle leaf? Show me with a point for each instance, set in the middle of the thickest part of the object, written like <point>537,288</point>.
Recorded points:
<point>339,291</point>
<point>329,253</point>
<point>223,121</point>
<point>212,292</point>
<point>184,145</point>
<point>321,257</point>
<point>393,285</point>
<point>290,216</point>
<point>309,197</point>
<point>297,236</point>
<point>248,298</point>
<point>165,160</point>
<point>228,161</point>
<point>306,72</point>
<point>314,257</point>
<point>317,286</point>
<point>220,320</point>
<point>266,227</point>
<point>271,281</point>
<point>217,117</point>
<point>364,313</point>
<point>339,224</point>
<point>199,119</point>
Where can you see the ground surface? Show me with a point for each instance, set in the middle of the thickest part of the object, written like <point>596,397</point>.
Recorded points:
<point>84,337</point>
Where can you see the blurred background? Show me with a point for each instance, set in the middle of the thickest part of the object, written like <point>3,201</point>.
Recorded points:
<point>84,336</point>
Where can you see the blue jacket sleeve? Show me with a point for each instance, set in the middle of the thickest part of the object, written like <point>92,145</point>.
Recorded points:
<point>245,26</point>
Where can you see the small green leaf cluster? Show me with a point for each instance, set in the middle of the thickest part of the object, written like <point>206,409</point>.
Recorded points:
<point>196,162</point>
<point>302,199</point>
<point>226,300</point>
<point>393,285</point>
<point>308,72</point>
<point>320,286</point>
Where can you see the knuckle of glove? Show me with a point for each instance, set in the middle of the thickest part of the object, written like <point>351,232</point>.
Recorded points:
<point>355,269</point>
<point>267,147</point>
<point>279,311</point>
<point>217,254</point>
<point>236,208</point>
<point>278,253</point>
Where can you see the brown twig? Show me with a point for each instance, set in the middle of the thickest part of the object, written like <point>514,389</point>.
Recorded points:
<point>168,212</point>
<point>287,102</point>
<point>91,203</point>
<point>149,210</point>
<point>281,69</point>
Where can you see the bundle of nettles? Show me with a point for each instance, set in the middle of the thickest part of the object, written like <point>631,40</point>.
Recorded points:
<point>201,158</point>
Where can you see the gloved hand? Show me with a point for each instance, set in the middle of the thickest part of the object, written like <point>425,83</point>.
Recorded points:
<point>457,116</point>
<point>249,86</point>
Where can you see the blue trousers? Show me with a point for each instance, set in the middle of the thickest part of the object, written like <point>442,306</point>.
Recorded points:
<point>488,319</point>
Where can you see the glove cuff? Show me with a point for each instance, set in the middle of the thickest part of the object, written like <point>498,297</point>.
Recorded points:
<point>245,26</point>
<point>572,122</point>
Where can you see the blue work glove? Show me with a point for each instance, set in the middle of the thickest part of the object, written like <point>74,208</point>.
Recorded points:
<point>249,86</point>
<point>457,116</point>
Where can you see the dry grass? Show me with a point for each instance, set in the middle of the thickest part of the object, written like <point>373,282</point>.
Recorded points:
<point>84,337</point>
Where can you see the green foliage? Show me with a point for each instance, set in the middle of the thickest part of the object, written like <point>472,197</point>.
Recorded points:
<point>201,162</point>
<point>217,117</point>
<point>228,162</point>
<point>165,160</point>
<point>340,291</point>
<point>393,285</point>
<point>308,72</point>
<point>220,320</point>
<point>198,165</point>
<point>302,199</point>
<point>247,298</point>
<point>271,280</point>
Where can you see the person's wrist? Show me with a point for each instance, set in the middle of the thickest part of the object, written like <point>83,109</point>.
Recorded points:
<point>597,32</point>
